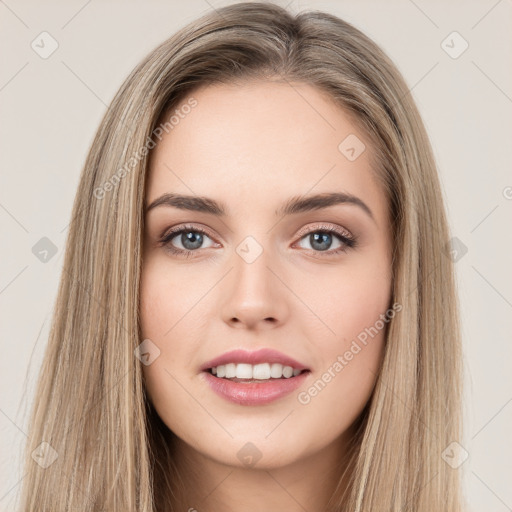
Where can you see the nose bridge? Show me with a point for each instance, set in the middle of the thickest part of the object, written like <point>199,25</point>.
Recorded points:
<point>254,294</point>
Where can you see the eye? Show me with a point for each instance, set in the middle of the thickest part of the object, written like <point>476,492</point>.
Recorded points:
<point>185,240</point>
<point>322,238</point>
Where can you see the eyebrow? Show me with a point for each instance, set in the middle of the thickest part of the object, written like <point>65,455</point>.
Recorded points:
<point>296,204</point>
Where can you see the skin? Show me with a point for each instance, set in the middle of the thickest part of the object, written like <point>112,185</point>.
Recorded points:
<point>252,147</point>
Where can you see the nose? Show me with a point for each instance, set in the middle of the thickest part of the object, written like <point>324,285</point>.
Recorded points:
<point>254,297</point>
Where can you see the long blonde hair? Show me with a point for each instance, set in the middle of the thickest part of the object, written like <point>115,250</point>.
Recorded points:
<point>91,407</point>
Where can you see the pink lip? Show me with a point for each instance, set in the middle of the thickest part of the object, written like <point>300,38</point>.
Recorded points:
<point>264,355</point>
<point>253,393</point>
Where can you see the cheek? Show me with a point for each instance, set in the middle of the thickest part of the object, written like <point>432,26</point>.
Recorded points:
<point>157,305</point>
<point>168,299</point>
<point>346,300</point>
<point>161,307</point>
<point>170,316</point>
<point>352,305</point>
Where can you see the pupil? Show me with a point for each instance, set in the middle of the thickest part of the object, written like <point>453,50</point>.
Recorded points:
<point>321,241</point>
<point>191,240</point>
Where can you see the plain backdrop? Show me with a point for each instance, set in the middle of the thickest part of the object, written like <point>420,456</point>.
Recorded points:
<point>51,108</point>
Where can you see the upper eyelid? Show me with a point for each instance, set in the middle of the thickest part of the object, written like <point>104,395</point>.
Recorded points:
<point>324,226</point>
<point>179,229</point>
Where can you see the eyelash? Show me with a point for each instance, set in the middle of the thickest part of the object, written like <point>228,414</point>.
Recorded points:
<point>348,241</point>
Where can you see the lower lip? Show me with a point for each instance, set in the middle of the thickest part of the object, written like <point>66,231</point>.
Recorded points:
<point>254,393</point>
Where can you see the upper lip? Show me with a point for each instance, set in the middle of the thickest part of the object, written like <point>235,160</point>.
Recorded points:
<point>264,355</point>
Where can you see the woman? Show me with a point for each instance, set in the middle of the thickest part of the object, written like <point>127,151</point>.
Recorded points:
<point>257,308</point>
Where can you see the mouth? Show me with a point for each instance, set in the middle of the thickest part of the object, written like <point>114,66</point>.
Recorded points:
<point>254,378</point>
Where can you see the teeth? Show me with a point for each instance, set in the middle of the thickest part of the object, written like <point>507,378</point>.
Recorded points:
<point>242,371</point>
<point>262,371</point>
<point>276,370</point>
<point>230,370</point>
<point>287,371</point>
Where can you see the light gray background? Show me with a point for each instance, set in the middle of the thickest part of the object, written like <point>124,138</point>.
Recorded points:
<point>52,107</point>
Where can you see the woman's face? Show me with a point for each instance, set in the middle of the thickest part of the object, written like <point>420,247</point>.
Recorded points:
<point>262,265</point>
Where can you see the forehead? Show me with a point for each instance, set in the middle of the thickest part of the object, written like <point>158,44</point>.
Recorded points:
<point>260,140</point>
